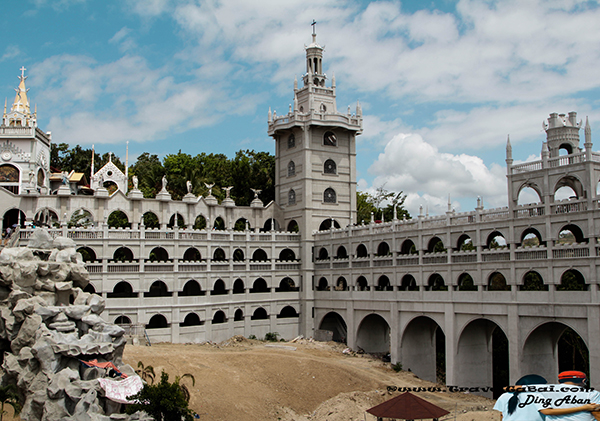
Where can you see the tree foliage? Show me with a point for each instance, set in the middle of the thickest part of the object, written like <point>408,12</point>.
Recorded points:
<point>9,396</point>
<point>65,158</point>
<point>381,204</point>
<point>164,401</point>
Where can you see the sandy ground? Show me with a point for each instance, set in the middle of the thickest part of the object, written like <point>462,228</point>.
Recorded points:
<point>242,379</point>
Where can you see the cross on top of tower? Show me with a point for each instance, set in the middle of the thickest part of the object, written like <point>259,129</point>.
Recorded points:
<point>314,25</point>
<point>22,69</point>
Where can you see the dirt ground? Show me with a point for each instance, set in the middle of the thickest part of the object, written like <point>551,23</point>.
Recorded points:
<point>243,379</point>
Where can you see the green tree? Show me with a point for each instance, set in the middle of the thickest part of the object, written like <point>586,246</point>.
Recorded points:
<point>164,401</point>
<point>9,396</point>
<point>146,372</point>
<point>149,171</point>
<point>367,203</point>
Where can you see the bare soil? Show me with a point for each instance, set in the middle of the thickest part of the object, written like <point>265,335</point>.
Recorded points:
<point>242,379</point>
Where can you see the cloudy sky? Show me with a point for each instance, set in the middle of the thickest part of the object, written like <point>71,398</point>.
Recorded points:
<point>442,83</point>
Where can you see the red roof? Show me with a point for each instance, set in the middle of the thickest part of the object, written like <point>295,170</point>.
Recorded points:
<point>407,407</point>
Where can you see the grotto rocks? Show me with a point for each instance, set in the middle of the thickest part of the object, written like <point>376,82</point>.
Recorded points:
<point>47,325</point>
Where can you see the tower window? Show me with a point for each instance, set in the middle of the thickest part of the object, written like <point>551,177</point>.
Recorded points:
<point>329,196</point>
<point>291,141</point>
<point>330,167</point>
<point>329,139</point>
<point>291,197</point>
<point>291,169</point>
<point>323,108</point>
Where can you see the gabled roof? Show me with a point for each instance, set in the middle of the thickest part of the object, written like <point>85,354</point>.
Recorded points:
<point>407,407</point>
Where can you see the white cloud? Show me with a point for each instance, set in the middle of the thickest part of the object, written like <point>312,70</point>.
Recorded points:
<point>10,52</point>
<point>411,165</point>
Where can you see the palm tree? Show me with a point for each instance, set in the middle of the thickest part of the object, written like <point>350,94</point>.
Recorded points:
<point>145,372</point>
<point>183,387</point>
<point>9,396</point>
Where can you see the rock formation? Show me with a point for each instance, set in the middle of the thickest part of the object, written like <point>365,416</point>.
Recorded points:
<point>48,326</point>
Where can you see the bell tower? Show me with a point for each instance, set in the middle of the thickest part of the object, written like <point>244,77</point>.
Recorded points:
<point>315,152</point>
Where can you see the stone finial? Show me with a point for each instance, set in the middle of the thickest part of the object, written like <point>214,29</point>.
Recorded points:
<point>295,83</point>
<point>358,109</point>
<point>333,80</point>
<point>508,148</point>
<point>270,118</point>
<point>588,133</point>
<point>545,151</point>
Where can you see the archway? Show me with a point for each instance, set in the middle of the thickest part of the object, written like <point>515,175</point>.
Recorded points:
<point>238,286</point>
<point>570,234</point>
<point>362,284</point>
<point>361,251</point>
<point>495,240</point>
<point>219,317</point>
<point>47,218</point>
<point>288,312</point>
<point>158,289</point>
<point>464,243</point>
<point>241,225</point>
<point>373,335</point>
<point>465,283</point>
<point>192,255</point>
<point>408,247</point>
<point>341,253</point>
<point>436,283</point>
<point>192,319</point>
<point>123,254</point>
<point>219,255</point>
<point>238,255</point>
<point>158,254</point>
<point>383,249</point>
<point>87,254</point>
<point>497,282</point>
<point>259,314</point>
<point>572,280</point>
<point>383,284</point>
<point>528,195</point>
<point>180,221</point>
<point>287,285</point>
<point>531,238</point>
<point>122,290</point>
<point>482,356</point>
<point>260,285</point>
<point>326,224</point>
<point>409,283</point>
<point>341,284</point>
<point>150,220</point>
<point>158,321</point>
<point>118,219</point>
<point>191,289</point>
<point>122,320</point>
<point>271,224</point>
<point>323,254</point>
<point>219,288</point>
<point>260,255</point>
<point>12,218</point>
<point>219,224</point>
<point>238,316</point>
<point>533,281</point>
<point>323,285</point>
<point>293,226</point>
<point>435,245</point>
<point>335,323</point>
<point>200,223</point>
<point>287,255</point>
<point>423,349</point>
<point>79,218</point>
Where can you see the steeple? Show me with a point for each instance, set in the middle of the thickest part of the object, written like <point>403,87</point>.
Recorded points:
<point>314,62</point>
<point>20,111</point>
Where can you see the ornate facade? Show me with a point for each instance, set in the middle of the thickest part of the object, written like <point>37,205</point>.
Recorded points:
<point>450,285</point>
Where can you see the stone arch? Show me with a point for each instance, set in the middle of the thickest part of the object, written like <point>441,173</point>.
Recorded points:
<point>192,254</point>
<point>435,245</point>
<point>330,167</point>
<point>570,234</point>
<point>329,195</point>
<point>408,283</point>
<point>527,238</point>
<point>436,283</point>
<point>383,284</point>
<point>361,251</point>
<point>9,177</point>
<point>362,284</point>
<point>259,314</point>
<point>238,286</point>
<point>270,224</point>
<point>570,182</point>
<point>482,355</point>
<point>79,218</point>
<point>219,255</point>
<point>323,285</point>
<point>572,280</point>
<point>383,249</point>
<point>238,255</point>
<point>158,289</point>
<point>423,349</point>
<point>87,254</point>
<point>497,282</point>
<point>287,284</point>
<point>291,169</point>
<point>323,254</point>
<point>46,217</point>
<point>259,285</point>
<point>200,222</point>
<point>158,254</point>
<point>150,220</point>
<point>335,323</point>
<point>219,317</point>
<point>12,217</point>
<point>238,316</point>
<point>408,247</point>
<point>327,224</point>
<point>341,253</point>
<point>191,289</point>
<point>122,320</point>
<point>191,319</point>
<point>122,289</point>
<point>533,281</point>
<point>465,283</point>
<point>241,224</point>
<point>545,352</point>
<point>529,193</point>
<point>373,334</point>
<point>219,224</point>
<point>288,312</point>
<point>287,255</point>
<point>180,221</point>
<point>158,321</point>
<point>341,284</point>
<point>89,288</point>
<point>219,288</point>
<point>495,240</point>
<point>260,255</point>
<point>123,254</point>
<point>118,219</point>
<point>464,243</point>
<point>293,226</point>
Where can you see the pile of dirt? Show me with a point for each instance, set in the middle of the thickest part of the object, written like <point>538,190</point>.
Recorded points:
<point>303,381</point>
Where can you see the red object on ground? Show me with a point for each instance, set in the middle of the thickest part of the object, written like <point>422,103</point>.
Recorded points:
<point>407,407</point>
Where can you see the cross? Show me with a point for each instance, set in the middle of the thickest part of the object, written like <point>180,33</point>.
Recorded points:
<point>110,157</point>
<point>22,69</point>
<point>313,24</point>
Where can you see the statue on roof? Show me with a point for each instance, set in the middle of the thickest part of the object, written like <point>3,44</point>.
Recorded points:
<point>164,182</point>
<point>209,187</point>
<point>256,192</point>
<point>228,191</point>
<point>135,181</point>
<point>188,184</point>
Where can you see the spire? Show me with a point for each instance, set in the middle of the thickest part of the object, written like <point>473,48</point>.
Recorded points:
<point>20,112</point>
<point>314,62</point>
<point>295,83</point>
<point>270,118</point>
<point>358,109</point>
<point>333,80</point>
<point>508,148</point>
<point>588,132</point>
<point>545,151</point>
<point>21,103</point>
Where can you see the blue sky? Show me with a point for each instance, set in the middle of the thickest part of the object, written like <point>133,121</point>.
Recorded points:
<point>441,83</point>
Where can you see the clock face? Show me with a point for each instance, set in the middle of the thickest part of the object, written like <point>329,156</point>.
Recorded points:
<point>6,155</point>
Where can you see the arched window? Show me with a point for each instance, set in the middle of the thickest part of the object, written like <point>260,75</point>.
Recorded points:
<point>291,197</point>
<point>238,315</point>
<point>158,289</point>
<point>192,319</point>
<point>341,253</point>
<point>287,255</point>
<point>219,255</point>
<point>238,286</point>
<point>158,321</point>
<point>191,288</point>
<point>362,284</point>
<point>219,317</point>
<point>238,255</point>
<point>291,169</point>
<point>330,167</point>
<point>150,220</point>
<point>361,251</point>
<point>192,255</point>
<point>219,288</point>
<point>323,253</point>
<point>87,254</point>
<point>329,196</point>
<point>291,141</point>
<point>383,249</point>
<point>286,285</point>
<point>123,254</point>
<point>158,254</point>
<point>323,285</point>
<point>122,290</point>
<point>259,314</point>
<point>329,139</point>
<point>260,285</point>
<point>122,320</point>
<point>9,178</point>
<point>287,312</point>
<point>260,255</point>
